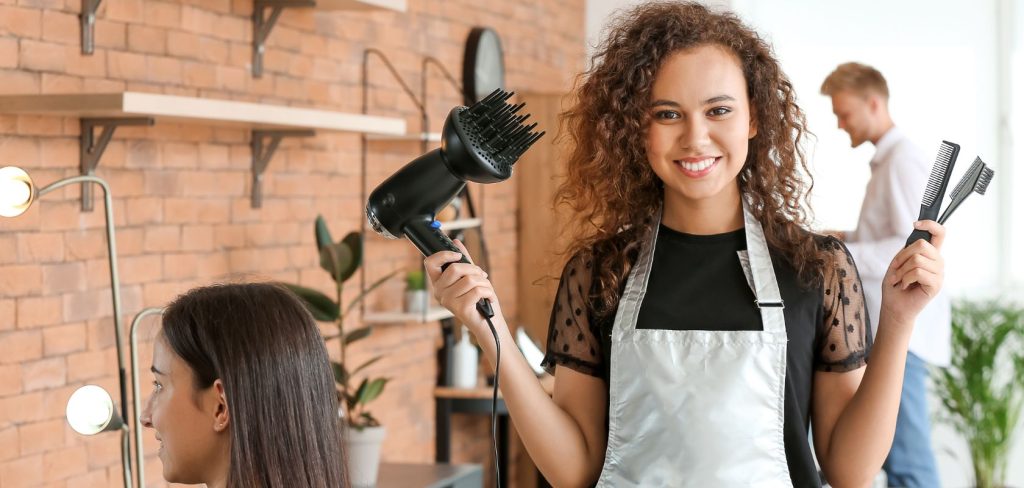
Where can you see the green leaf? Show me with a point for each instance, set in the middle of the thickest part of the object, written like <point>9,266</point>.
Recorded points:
<point>323,235</point>
<point>350,259</point>
<point>364,365</point>
<point>372,390</point>
<point>340,375</point>
<point>360,333</point>
<point>319,305</point>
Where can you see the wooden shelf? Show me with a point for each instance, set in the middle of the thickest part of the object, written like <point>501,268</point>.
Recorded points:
<point>191,109</point>
<point>423,136</point>
<point>432,315</point>
<point>459,224</point>
<point>395,5</point>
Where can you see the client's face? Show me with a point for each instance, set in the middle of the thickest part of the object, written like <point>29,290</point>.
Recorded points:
<point>193,440</point>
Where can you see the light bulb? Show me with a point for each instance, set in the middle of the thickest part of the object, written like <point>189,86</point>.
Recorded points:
<point>90,410</point>
<point>15,191</point>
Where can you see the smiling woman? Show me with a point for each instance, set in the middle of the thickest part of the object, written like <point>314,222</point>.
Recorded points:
<point>243,394</point>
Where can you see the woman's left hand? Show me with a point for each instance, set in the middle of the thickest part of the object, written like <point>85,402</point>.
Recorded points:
<point>915,276</point>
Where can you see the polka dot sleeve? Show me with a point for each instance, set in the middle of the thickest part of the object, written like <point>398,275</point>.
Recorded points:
<point>845,334</point>
<point>573,338</point>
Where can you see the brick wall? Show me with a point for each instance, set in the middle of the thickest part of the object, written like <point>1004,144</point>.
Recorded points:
<point>181,193</point>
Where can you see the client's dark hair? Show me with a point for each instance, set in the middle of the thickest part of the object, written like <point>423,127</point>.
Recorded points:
<point>264,346</point>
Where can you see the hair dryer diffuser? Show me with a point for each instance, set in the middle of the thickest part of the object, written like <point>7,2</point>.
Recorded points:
<point>479,144</point>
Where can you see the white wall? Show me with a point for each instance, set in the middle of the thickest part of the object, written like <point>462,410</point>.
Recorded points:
<point>941,61</point>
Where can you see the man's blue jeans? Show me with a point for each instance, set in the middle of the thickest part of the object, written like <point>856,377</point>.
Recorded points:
<point>911,463</point>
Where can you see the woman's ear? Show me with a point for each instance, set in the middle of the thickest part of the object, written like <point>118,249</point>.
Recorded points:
<point>221,417</point>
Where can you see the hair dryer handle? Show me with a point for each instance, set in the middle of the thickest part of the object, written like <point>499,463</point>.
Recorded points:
<point>426,234</point>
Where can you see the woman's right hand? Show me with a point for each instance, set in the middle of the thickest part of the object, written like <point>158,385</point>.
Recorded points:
<point>460,286</point>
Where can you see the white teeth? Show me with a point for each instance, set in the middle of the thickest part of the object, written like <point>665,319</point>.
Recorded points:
<point>699,165</point>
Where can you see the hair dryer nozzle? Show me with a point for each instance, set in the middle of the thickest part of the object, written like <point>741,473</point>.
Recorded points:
<point>482,142</point>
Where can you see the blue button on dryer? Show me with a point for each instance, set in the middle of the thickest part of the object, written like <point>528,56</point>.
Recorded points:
<point>435,224</point>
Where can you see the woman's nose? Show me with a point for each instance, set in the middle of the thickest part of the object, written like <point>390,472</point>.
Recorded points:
<point>695,136</point>
<point>146,416</point>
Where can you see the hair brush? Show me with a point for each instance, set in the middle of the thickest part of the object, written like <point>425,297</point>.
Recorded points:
<point>936,188</point>
<point>975,180</point>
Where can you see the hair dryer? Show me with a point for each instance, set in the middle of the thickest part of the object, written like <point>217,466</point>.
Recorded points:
<point>478,144</point>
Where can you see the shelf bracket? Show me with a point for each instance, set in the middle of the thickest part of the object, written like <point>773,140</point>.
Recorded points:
<point>88,20</point>
<point>262,154</point>
<point>91,148</point>
<point>262,25</point>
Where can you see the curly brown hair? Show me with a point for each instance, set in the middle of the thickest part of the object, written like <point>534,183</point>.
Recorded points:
<point>610,186</point>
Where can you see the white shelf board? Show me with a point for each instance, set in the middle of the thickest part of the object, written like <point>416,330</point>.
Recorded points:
<point>422,136</point>
<point>459,224</point>
<point>434,314</point>
<point>191,109</point>
<point>396,5</point>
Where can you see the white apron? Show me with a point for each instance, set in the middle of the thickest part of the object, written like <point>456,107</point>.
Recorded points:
<point>698,408</point>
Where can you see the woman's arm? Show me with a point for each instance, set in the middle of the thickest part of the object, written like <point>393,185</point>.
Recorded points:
<point>564,435</point>
<point>854,413</point>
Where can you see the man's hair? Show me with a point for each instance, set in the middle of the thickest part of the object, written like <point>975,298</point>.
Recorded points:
<point>855,77</point>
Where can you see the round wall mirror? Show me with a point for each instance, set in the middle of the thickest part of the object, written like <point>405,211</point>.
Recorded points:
<point>483,65</point>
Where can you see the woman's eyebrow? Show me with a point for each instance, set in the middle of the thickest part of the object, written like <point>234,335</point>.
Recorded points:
<point>156,371</point>
<point>714,99</point>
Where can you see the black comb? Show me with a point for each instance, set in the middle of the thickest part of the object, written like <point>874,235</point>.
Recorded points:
<point>493,133</point>
<point>975,180</point>
<point>936,188</point>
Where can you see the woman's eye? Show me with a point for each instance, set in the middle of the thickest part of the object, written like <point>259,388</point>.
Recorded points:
<point>719,111</point>
<point>666,115</point>
<point>157,386</point>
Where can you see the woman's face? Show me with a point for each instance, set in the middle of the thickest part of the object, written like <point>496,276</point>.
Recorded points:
<point>190,424</point>
<point>700,126</point>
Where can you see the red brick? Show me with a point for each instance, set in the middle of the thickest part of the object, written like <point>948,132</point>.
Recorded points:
<point>164,70</point>
<point>61,27</point>
<point>212,183</point>
<point>144,210</point>
<point>86,305</point>
<point>141,153</point>
<point>147,39</point>
<point>197,238</point>
<point>128,66</point>
<point>39,311</point>
<point>7,311</point>
<point>199,75</point>
<point>63,277</point>
<point>163,14</point>
<point>41,56</point>
<point>40,437</point>
<point>23,472</point>
<point>10,384</point>
<point>89,365</point>
<point>64,463</point>
<point>20,151</point>
<point>165,238</point>
<point>179,155</point>
<point>110,34</point>
<point>94,479</point>
<point>20,22</point>
<point>44,374</point>
<point>40,247</point>
<point>22,408</point>
<point>180,266</point>
<point>64,339</point>
<point>8,442</point>
<point>86,244</point>
<point>18,82</point>
<point>181,44</point>
<point>140,269</point>
<point>16,281</point>
<point>53,83</point>
<point>92,66</point>
<point>8,53</point>
<point>129,11</point>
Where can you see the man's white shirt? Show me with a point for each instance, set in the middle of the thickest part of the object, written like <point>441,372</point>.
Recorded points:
<point>899,174</point>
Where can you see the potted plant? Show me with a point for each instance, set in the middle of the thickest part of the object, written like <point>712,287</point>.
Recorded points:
<point>983,391</point>
<point>416,292</point>
<point>364,434</point>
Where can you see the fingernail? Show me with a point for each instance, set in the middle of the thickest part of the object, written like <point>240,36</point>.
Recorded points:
<point>918,224</point>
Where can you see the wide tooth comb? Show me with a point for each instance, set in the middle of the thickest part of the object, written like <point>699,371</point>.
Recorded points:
<point>936,188</point>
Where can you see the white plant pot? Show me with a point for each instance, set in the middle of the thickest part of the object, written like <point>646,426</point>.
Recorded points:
<point>363,449</point>
<point>416,301</point>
